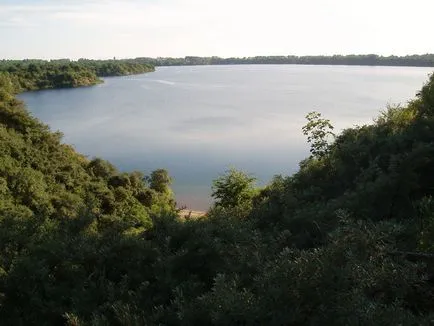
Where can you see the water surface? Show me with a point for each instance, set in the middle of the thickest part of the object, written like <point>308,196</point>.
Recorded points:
<point>197,121</point>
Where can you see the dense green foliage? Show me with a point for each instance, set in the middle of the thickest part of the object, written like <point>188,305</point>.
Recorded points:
<point>38,74</point>
<point>58,204</point>
<point>425,60</point>
<point>105,68</point>
<point>347,240</point>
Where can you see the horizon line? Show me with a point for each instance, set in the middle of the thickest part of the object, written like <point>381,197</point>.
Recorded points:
<point>221,57</point>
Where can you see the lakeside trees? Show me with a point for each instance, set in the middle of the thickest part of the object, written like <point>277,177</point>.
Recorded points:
<point>38,74</point>
<point>347,240</point>
<point>106,68</point>
<point>424,60</point>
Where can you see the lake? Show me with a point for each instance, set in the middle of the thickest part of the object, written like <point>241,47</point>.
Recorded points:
<point>198,121</point>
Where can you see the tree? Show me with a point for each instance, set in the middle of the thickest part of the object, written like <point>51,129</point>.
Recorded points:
<point>160,181</point>
<point>426,98</point>
<point>6,87</point>
<point>102,168</point>
<point>233,188</point>
<point>318,132</point>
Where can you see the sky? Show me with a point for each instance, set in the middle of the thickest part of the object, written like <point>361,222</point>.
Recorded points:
<point>103,29</point>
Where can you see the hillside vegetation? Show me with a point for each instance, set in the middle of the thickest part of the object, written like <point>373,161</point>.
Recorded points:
<point>347,240</point>
<point>27,75</point>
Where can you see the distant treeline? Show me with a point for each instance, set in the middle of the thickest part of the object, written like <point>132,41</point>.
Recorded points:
<point>39,74</point>
<point>425,60</point>
<point>35,74</point>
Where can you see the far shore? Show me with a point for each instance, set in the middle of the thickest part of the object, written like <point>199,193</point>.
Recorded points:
<point>188,213</point>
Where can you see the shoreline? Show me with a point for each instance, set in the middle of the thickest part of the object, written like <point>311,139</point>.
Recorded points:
<point>191,214</point>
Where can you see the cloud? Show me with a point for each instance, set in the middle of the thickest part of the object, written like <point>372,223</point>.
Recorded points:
<point>29,15</point>
<point>16,21</point>
<point>94,28</point>
<point>106,13</point>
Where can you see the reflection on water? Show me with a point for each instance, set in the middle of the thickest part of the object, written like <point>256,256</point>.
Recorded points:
<point>197,121</point>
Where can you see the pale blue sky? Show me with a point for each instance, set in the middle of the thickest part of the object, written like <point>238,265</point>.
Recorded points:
<point>133,28</point>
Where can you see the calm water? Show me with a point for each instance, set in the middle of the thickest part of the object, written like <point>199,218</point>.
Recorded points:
<point>197,121</point>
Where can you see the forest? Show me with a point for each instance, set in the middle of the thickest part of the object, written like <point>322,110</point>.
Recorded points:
<point>28,75</point>
<point>424,60</point>
<point>347,240</point>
